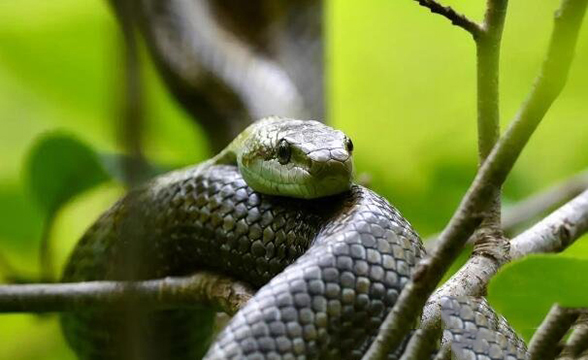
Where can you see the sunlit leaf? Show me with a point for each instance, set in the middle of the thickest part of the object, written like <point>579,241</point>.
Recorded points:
<point>59,167</point>
<point>525,290</point>
<point>579,249</point>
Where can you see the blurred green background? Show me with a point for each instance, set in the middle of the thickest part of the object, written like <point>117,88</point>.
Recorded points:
<point>401,83</point>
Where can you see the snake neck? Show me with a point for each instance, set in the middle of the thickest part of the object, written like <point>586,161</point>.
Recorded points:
<point>230,154</point>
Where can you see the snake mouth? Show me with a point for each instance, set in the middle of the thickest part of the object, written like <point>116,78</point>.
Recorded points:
<point>333,176</point>
<point>318,180</point>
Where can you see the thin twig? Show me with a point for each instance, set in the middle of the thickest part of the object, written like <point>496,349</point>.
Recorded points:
<point>545,342</point>
<point>540,203</point>
<point>492,174</point>
<point>546,236</point>
<point>456,19</point>
<point>200,288</point>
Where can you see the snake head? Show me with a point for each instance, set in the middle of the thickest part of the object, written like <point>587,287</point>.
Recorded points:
<point>295,158</point>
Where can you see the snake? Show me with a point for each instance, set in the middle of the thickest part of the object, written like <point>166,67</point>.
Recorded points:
<point>278,209</point>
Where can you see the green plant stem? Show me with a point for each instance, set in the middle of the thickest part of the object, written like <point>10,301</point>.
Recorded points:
<point>488,73</point>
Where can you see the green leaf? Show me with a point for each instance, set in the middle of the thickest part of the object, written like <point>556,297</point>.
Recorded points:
<point>579,249</point>
<point>525,290</point>
<point>60,167</point>
<point>20,227</point>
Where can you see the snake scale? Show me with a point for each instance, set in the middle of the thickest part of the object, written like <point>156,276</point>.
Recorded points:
<point>330,258</point>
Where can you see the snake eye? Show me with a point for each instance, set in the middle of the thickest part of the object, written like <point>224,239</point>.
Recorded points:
<point>349,145</point>
<point>284,152</point>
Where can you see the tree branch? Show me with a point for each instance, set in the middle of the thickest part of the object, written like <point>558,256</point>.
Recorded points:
<point>492,174</point>
<point>172,292</point>
<point>488,74</point>
<point>542,202</point>
<point>545,342</point>
<point>546,236</point>
<point>456,19</point>
<point>556,232</point>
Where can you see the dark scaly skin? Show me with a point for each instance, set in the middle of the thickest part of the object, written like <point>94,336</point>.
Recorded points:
<point>477,332</point>
<point>358,253</point>
<point>331,301</point>
<point>354,254</point>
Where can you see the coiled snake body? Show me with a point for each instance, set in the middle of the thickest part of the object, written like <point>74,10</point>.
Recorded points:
<point>347,256</point>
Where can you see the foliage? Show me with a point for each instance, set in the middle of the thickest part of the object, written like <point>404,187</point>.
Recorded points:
<point>59,168</point>
<point>525,290</point>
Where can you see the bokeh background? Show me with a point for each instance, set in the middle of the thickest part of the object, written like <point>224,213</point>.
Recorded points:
<point>400,82</point>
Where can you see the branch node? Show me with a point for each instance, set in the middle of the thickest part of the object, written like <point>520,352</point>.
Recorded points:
<point>491,243</point>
